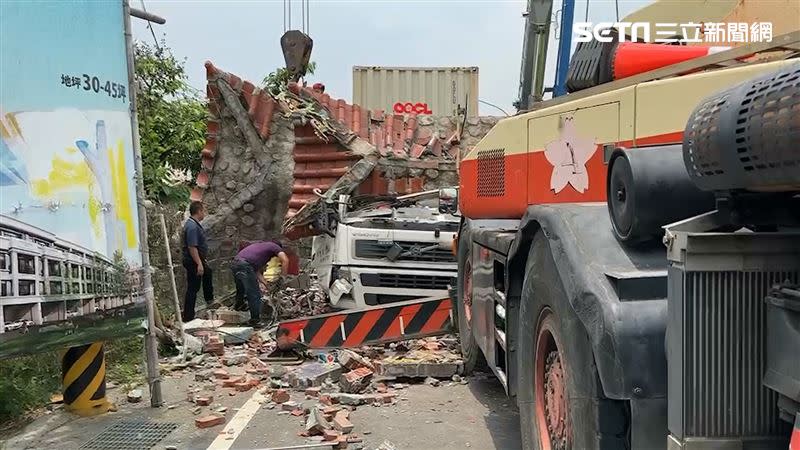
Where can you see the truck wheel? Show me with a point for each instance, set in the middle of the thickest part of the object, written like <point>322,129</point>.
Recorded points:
<point>470,352</point>
<point>560,397</point>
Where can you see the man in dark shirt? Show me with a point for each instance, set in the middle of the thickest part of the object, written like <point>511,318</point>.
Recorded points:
<point>195,251</point>
<point>248,272</point>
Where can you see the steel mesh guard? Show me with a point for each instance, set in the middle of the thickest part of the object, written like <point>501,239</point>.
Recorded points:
<point>491,173</point>
<point>745,137</point>
<point>725,320</point>
<point>131,435</point>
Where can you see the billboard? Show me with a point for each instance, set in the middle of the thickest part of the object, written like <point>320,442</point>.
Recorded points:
<point>69,242</point>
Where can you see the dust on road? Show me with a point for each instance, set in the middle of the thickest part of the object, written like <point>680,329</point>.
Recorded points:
<point>451,416</point>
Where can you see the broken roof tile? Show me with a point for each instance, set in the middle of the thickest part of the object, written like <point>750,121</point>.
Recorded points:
<point>202,179</point>
<point>212,127</point>
<point>416,151</point>
<point>196,195</point>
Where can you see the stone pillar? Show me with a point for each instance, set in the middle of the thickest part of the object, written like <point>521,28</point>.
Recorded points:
<point>38,287</point>
<point>46,276</point>
<point>14,273</point>
<point>36,312</point>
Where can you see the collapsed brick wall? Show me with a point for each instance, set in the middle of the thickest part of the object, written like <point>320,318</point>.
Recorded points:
<point>266,156</point>
<point>433,164</point>
<point>406,175</point>
<point>247,170</point>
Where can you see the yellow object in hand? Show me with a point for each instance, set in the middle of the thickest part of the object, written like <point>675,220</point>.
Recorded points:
<point>274,269</point>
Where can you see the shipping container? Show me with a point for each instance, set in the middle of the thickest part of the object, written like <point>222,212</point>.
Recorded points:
<point>438,91</point>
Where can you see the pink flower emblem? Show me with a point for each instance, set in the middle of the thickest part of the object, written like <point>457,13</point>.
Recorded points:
<point>569,155</point>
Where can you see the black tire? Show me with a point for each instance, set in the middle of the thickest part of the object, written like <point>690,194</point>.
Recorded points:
<point>593,422</point>
<point>470,352</point>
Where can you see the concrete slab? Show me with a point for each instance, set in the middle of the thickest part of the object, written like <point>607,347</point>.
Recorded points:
<point>201,325</point>
<point>235,335</point>
<point>313,374</point>
<point>411,369</point>
<point>229,316</point>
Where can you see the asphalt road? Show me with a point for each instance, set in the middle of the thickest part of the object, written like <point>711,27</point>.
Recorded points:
<point>451,416</point>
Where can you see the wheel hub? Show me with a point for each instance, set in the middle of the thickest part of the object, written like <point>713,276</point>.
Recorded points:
<point>555,402</point>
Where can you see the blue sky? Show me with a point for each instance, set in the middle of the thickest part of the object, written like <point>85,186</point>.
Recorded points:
<point>243,37</point>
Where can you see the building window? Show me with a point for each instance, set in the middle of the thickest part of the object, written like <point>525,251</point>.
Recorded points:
<point>56,288</point>
<point>67,288</point>
<point>26,264</point>
<point>27,287</point>
<point>76,271</point>
<point>54,268</point>
<point>5,261</point>
<point>5,288</point>
<point>76,288</point>
<point>90,288</point>
<point>9,233</point>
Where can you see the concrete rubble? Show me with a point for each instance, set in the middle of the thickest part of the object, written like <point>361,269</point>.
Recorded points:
<point>134,396</point>
<point>324,389</point>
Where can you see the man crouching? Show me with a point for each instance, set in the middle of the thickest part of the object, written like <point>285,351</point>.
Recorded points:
<point>248,272</point>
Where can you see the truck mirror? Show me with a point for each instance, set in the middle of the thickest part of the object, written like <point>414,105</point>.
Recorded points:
<point>448,200</point>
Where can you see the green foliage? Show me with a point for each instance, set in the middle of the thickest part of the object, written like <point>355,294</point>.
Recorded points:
<point>27,382</point>
<point>278,79</point>
<point>172,122</point>
<point>125,360</point>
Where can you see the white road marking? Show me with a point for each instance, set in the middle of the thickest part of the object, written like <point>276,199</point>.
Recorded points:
<point>234,428</point>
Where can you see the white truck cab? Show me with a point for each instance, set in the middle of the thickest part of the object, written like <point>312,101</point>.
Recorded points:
<point>388,251</point>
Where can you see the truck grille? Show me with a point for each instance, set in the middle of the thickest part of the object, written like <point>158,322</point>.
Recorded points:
<point>384,299</point>
<point>371,249</point>
<point>724,354</point>
<point>405,281</point>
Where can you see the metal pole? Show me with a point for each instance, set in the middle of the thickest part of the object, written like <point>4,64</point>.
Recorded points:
<point>150,17</point>
<point>564,47</point>
<point>174,285</point>
<point>151,345</point>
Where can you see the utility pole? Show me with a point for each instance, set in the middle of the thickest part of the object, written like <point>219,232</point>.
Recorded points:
<point>151,344</point>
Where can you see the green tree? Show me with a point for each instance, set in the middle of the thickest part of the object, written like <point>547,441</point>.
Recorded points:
<point>172,123</point>
<point>278,79</point>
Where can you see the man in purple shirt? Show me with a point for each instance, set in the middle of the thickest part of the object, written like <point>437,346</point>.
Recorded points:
<point>248,272</point>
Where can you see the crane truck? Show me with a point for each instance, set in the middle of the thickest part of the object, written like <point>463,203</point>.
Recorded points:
<point>629,255</point>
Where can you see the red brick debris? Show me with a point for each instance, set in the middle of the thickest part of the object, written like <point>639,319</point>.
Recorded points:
<point>209,421</point>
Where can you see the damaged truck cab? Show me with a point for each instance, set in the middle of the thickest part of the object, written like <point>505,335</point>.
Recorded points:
<point>391,249</point>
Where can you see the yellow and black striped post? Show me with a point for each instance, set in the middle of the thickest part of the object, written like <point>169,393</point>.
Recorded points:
<point>83,372</point>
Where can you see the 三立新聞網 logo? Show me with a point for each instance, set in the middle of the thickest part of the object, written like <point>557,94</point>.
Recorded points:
<point>710,32</point>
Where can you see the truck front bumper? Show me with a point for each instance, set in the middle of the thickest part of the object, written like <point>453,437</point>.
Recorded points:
<point>371,286</point>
